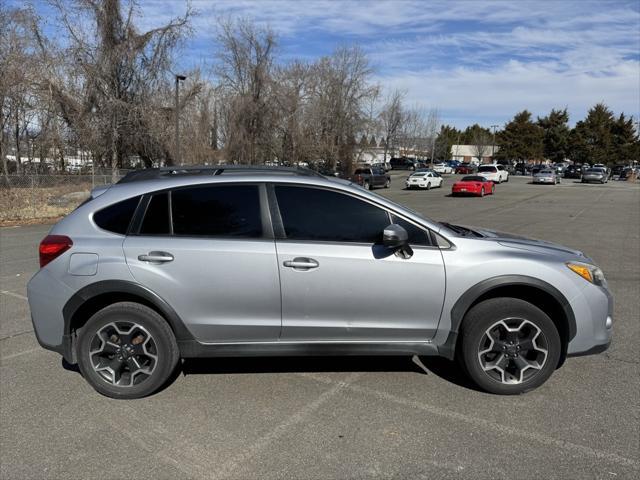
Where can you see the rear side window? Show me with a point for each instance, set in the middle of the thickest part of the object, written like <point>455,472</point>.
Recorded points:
<point>117,217</point>
<point>156,218</point>
<point>323,215</point>
<point>220,210</point>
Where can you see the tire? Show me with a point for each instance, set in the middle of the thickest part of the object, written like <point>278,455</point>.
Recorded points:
<point>387,183</point>
<point>534,328</point>
<point>135,328</point>
<point>493,189</point>
<point>428,185</point>
<point>366,185</point>
<point>482,192</point>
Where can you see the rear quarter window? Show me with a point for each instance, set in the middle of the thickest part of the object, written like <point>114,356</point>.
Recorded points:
<point>116,218</point>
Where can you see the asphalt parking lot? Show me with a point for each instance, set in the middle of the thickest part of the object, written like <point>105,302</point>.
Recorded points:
<point>346,417</point>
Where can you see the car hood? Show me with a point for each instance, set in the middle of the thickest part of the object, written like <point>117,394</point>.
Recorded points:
<point>525,243</point>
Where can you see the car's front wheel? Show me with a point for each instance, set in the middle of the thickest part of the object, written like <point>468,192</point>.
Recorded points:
<point>127,350</point>
<point>509,346</point>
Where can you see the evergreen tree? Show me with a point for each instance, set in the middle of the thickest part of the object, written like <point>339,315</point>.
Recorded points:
<point>625,145</point>
<point>447,137</point>
<point>555,141</point>
<point>592,138</point>
<point>521,139</point>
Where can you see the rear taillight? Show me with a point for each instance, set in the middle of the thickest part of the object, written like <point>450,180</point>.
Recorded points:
<point>52,246</point>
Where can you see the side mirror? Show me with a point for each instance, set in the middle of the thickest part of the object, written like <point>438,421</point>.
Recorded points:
<point>396,238</point>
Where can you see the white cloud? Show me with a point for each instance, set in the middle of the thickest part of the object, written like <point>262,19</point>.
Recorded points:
<point>473,59</point>
<point>466,95</point>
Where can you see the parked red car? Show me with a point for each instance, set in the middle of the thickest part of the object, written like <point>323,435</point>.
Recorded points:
<point>473,185</point>
<point>466,169</point>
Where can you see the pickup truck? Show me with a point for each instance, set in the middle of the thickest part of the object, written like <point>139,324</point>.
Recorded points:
<point>369,178</point>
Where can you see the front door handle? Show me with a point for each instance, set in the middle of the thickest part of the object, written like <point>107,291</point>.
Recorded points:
<point>301,263</point>
<point>156,257</point>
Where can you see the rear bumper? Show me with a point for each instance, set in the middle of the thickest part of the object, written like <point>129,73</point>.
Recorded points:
<point>47,297</point>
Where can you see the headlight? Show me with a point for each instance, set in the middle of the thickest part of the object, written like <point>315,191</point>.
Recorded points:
<point>590,273</point>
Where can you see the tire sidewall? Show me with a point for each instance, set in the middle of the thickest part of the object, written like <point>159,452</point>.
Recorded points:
<point>167,349</point>
<point>485,314</point>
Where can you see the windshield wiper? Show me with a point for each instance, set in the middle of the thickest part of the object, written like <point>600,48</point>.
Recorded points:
<point>464,231</point>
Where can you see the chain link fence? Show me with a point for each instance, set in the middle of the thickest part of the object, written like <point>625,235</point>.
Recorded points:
<point>30,197</point>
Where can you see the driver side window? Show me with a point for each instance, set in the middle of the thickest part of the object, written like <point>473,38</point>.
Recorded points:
<point>324,215</point>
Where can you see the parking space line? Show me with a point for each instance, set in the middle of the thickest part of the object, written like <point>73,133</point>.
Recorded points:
<point>479,422</point>
<point>19,354</point>
<point>13,335</point>
<point>12,294</point>
<point>228,467</point>
<point>573,217</point>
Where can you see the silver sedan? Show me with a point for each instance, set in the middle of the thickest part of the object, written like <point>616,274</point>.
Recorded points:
<point>595,175</point>
<point>546,176</point>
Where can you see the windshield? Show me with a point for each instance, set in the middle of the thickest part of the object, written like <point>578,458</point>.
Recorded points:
<point>487,169</point>
<point>594,170</point>
<point>418,175</point>
<point>546,172</point>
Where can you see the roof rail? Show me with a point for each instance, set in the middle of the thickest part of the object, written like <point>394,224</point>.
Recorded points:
<point>211,170</point>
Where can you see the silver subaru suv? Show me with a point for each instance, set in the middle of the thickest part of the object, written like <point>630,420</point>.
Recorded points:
<point>229,262</point>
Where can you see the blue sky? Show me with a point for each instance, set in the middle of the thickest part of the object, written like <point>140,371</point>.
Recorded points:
<point>476,61</point>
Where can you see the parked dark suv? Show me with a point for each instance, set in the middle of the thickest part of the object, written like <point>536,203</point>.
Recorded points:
<point>403,163</point>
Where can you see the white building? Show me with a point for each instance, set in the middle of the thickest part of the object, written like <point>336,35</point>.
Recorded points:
<point>469,153</point>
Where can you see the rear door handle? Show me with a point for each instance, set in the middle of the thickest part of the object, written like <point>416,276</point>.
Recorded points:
<point>156,257</point>
<point>301,263</point>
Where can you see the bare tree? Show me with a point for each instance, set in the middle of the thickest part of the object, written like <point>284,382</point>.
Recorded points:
<point>117,71</point>
<point>481,144</point>
<point>244,69</point>
<point>18,67</point>
<point>431,130</point>
<point>392,117</point>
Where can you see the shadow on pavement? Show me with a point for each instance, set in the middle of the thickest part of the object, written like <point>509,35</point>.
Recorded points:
<point>441,367</point>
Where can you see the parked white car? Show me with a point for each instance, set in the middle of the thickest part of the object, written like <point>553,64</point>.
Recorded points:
<point>424,180</point>
<point>495,173</point>
<point>442,168</point>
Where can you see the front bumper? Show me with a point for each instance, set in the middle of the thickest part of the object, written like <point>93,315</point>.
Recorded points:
<point>593,310</point>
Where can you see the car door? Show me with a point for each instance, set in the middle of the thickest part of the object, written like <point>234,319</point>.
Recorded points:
<point>437,179</point>
<point>208,252</point>
<point>339,283</point>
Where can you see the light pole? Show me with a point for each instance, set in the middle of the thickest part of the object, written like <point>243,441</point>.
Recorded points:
<point>177,112</point>
<point>493,143</point>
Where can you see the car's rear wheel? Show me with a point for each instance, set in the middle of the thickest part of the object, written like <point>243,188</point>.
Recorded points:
<point>428,186</point>
<point>387,183</point>
<point>482,192</point>
<point>509,346</point>
<point>127,350</point>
